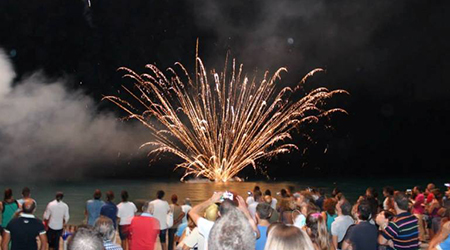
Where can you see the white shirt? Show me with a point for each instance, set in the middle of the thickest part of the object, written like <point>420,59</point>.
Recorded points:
<point>162,208</point>
<point>250,200</point>
<point>340,225</point>
<point>185,209</point>
<point>273,204</point>
<point>252,209</point>
<point>204,227</point>
<point>195,239</point>
<point>56,213</point>
<point>300,221</point>
<point>125,212</point>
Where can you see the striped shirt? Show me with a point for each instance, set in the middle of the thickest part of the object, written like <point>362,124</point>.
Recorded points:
<point>403,231</point>
<point>111,246</point>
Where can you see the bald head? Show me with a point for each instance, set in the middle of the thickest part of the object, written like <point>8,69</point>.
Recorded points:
<point>29,205</point>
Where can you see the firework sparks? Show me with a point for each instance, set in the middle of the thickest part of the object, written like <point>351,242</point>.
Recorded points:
<point>220,123</point>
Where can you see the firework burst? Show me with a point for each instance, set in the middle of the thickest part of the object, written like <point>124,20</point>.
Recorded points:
<point>220,123</point>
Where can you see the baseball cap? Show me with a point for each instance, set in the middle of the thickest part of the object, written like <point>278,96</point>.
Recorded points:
<point>447,184</point>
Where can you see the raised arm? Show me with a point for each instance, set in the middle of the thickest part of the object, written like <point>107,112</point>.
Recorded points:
<point>244,209</point>
<point>196,212</point>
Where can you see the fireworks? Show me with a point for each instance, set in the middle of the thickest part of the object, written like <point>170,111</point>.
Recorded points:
<point>220,123</point>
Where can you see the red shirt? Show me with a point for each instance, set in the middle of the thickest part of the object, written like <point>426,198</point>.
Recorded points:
<point>418,207</point>
<point>430,197</point>
<point>143,232</point>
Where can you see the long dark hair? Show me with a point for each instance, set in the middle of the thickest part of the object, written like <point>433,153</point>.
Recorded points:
<point>8,194</point>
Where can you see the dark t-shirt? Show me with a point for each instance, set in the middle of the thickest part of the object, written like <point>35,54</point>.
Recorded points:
<point>23,231</point>
<point>109,210</point>
<point>362,236</point>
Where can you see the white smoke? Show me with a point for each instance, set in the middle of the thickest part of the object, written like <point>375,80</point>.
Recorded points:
<point>46,130</point>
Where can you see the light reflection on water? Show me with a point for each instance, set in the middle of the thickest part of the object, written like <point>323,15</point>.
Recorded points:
<point>76,193</point>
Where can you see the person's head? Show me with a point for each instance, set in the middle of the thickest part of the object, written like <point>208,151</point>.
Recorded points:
<point>286,237</point>
<point>148,207</point>
<point>370,192</point>
<point>256,188</point>
<point>231,231</point>
<point>267,192</point>
<point>174,198</point>
<point>316,226</point>
<point>335,192</point>
<point>387,214</point>
<point>110,195</point>
<point>388,191</point>
<point>430,187</point>
<point>364,210</point>
<point>97,194</point>
<point>401,201</point>
<point>291,189</point>
<point>160,194</point>
<point>304,197</point>
<point>59,196</point>
<point>226,206</point>
<point>26,192</point>
<point>437,194</point>
<point>417,190</point>
<point>86,239</point>
<point>8,194</point>
<point>212,212</point>
<point>187,201</point>
<point>124,195</point>
<point>267,199</point>
<point>257,195</point>
<point>284,193</point>
<point>329,205</point>
<point>29,206</point>
<point>263,211</point>
<point>344,207</point>
<point>105,227</point>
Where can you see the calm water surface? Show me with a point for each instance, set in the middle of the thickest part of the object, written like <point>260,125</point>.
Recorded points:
<point>77,192</point>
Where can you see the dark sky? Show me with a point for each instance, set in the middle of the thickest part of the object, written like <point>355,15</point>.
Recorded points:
<point>392,56</point>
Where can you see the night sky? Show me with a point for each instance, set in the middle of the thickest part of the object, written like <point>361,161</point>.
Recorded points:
<point>392,56</point>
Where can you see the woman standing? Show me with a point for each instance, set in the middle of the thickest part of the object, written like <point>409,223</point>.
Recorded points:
<point>8,207</point>
<point>178,215</point>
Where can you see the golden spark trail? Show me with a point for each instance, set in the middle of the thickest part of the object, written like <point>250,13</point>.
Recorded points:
<point>220,124</point>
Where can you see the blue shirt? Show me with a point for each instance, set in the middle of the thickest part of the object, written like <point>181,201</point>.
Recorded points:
<point>261,242</point>
<point>445,245</point>
<point>93,208</point>
<point>110,210</point>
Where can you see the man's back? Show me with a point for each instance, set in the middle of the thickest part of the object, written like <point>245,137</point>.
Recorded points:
<point>23,231</point>
<point>363,236</point>
<point>57,212</point>
<point>143,232</point>
<point>110,210</point>
<point>93,208</point>
<point>403,231</point>
<point>160,213</point>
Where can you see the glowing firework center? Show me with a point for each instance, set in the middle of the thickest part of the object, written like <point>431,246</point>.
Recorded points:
<point>220,124</point>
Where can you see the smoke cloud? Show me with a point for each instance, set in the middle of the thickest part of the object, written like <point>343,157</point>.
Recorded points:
<point>299,34</point>
<point>47,130</point>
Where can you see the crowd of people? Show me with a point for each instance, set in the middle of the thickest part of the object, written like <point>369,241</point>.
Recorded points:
<point>298,219</point>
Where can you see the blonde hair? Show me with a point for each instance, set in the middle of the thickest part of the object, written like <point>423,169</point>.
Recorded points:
<point>317,230</point>
<point>283,237</point>
<point>211,212</point>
